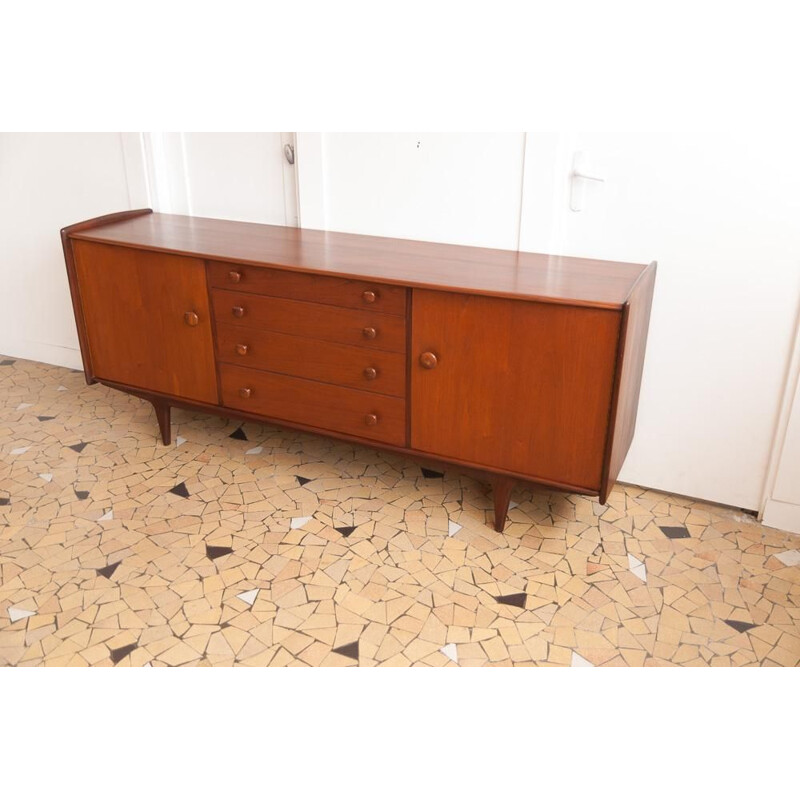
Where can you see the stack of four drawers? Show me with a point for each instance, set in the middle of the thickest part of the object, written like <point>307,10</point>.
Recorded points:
<point>319,351</point>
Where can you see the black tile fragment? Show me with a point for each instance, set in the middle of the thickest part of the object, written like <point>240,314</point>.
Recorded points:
<point>212,551</point>
<point>239,434</point>
<point>108,570</point>
<point>303,481</point>
<point>44,419</point>
<point>674,531</point>
<point>5,501</point>
<point>180,490</point>
<point>78,447</point>
<point>431,473</point>
<point>7,362</point>
<point>739,626</point>
<point>82,495</point>
<point>346,530</point>
<point>117,654</point>
<point>349,650</point>
<point>517,600</point>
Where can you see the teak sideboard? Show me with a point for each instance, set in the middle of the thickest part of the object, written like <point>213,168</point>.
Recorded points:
<point>515,366</point>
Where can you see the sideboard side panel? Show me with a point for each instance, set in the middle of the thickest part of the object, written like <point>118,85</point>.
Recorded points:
<point>628,379</point>
<point>72,278</point>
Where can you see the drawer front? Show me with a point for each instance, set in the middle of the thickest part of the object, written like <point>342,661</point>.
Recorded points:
<point>331,291</point>
<point>312,320</point>
<point>357,367</point>
<point>332,408</point>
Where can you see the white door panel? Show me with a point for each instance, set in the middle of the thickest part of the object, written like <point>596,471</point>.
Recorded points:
<point>462,188</point>
<point>240,176</point>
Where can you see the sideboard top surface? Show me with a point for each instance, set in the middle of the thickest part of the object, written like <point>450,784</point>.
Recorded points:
<point>478,270</point>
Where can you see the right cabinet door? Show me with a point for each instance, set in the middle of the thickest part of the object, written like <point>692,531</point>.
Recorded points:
<point>513,385</point>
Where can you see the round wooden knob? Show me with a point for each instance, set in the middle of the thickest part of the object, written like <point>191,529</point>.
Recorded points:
<point>369,297</point>
<point>370,373</point>
<point>241,349</point>
<point>245,392</point>
<point>237,311</point>
<point>371,419</point>
<point>234,276</point>
<point>190,318</point>
<point>369,333</point>
<point>428,360</point>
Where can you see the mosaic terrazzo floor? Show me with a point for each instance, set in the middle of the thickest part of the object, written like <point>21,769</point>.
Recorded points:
<point>253,545</point>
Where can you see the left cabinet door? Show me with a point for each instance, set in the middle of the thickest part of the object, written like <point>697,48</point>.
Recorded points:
<point>147,319</point>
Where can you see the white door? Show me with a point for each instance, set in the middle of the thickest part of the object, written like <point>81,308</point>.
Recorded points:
<point>719,213</point>
<point>241,176</point>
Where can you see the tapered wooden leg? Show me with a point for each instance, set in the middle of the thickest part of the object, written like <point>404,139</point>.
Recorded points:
<point>163,416</point>
<point>501,490</point>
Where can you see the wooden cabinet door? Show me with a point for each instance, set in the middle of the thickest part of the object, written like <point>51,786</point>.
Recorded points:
<point>147,319</point>
<point>518,386</point>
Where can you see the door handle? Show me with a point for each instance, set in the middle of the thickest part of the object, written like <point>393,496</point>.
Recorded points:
<point>428,360</point>
<point>577,176</point>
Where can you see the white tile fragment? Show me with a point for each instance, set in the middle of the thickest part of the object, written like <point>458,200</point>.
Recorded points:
<point>248,597</point>
<point>637,568</point>
<point>580,661</point>
<point>451,651</point>
<point>453,528</point>
<point>791,558</point>
<point>298,522</point>
<point>19,613</point>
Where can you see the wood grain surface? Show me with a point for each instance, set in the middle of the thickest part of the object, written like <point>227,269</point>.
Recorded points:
<point>502,273</point>
<point>317,360</point>
<point>134,305</point>
<point>519,386</point>
<point>333,408</point>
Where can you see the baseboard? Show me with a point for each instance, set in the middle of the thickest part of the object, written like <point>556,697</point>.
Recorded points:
<point>58,355</point>
<point>785,516</point>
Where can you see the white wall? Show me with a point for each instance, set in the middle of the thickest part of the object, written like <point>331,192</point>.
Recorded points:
<point>48,181</point>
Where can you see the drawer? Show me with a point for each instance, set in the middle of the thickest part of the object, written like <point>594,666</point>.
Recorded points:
<point>312,320</point>
<point>320,405</point>
<point>357,367</point>
<point>344,292</point>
